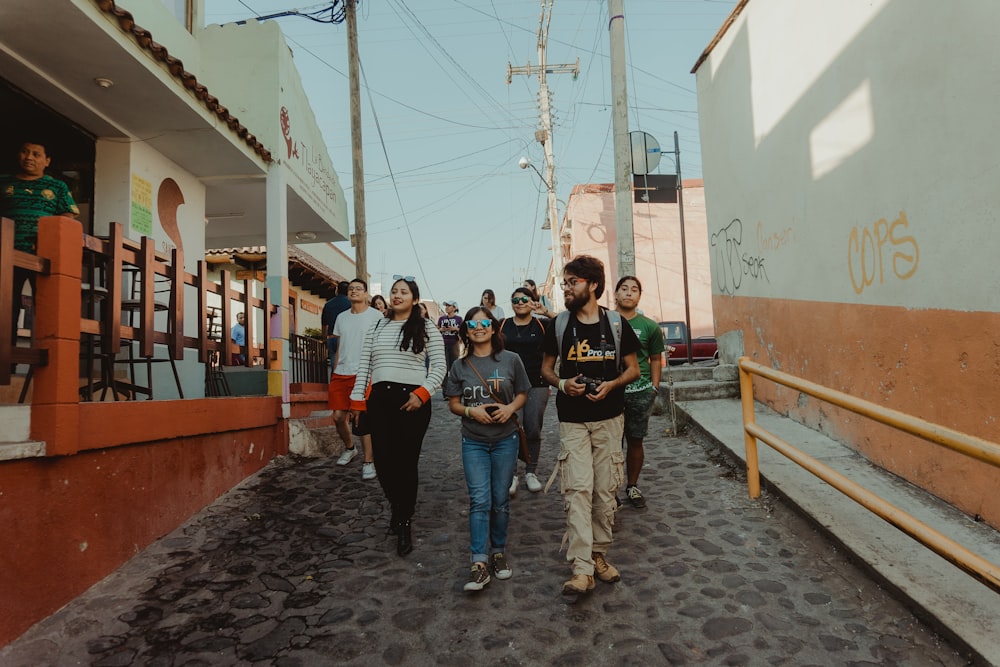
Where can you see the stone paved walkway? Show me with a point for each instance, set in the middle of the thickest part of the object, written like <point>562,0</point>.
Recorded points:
<point>294,568</point>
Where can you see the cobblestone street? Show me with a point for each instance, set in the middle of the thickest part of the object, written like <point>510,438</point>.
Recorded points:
<point>294,568</point>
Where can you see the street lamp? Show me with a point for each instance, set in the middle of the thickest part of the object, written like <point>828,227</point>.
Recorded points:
<point>553,217</point>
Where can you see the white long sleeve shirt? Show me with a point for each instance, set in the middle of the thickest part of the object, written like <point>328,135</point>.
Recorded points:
<point>383,361</point>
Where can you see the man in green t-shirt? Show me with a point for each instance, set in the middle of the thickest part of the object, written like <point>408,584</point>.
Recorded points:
<point>25,197</point>
<point>639,395</point>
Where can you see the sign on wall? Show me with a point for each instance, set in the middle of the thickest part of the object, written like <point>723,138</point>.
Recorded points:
<point>142,205</point>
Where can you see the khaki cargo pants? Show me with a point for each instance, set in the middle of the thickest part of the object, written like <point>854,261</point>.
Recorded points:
<point>591,467</point>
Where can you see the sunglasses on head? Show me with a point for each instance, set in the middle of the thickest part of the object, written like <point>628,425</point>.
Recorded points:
<point>520,299</point>
<point>408,279</point>
<point>475,324</point>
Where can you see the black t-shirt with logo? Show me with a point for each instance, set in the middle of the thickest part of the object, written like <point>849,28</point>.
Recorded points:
<point>589,349</point>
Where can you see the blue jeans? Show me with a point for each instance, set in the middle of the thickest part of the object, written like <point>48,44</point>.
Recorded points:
<point>489,469</point>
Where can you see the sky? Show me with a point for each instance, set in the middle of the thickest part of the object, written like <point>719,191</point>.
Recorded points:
<point>445,200</point>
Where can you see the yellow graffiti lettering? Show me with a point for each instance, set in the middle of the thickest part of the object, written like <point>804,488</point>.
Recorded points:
<point>899,257</point>
<point>867,249</point>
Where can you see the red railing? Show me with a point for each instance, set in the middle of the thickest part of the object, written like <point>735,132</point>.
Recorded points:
<point>10,259</point>
<point>131,293</point>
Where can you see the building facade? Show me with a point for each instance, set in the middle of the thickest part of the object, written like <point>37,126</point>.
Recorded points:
<point>192,138</point>
<point>848,164</point>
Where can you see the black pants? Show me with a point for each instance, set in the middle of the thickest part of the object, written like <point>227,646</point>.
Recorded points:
<point>397,437</point>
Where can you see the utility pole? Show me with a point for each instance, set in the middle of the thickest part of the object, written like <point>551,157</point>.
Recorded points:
<point>684,259</point>
<point>544,135</point>
<point>357,160</point>
<point>623,157</point>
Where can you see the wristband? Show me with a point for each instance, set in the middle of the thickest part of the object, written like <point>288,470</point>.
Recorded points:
<point>562,383</point>
<point>467,411</point>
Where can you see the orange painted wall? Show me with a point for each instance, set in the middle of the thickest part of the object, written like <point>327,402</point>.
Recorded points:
<point>940,365</point>
<point>69,521</point>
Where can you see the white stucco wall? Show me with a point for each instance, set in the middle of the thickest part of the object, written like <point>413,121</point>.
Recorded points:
<point>116,163</point>
<point>849,152</point>
<point>251,67</point>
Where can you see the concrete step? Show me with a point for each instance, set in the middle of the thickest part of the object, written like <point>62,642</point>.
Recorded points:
<point>702,390</point>
<point>687,373</point>
<point>701,382</point>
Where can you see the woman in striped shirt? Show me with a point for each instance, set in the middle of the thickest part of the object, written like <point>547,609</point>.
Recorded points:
<point>393,360</point>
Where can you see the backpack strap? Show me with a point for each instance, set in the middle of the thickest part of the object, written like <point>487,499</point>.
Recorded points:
<point>562,321</point>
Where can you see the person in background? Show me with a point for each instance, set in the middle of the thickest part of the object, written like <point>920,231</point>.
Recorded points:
<point>238,335</point>
<point>639,395</point>
<point>379,304</point>
<point>489,302</point>
<point>489,438</point>
<point>398,406</point>
<point>26,196</point>
<point>524,334</point>
<point>539,307</point>
<point>448,324</point>
<point>350,329</point>
<point>590,404</point>
<point>334,307</point>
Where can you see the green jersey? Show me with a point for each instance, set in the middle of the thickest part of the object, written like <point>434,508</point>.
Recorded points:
<point>25,201</point>
<point>650,342</point>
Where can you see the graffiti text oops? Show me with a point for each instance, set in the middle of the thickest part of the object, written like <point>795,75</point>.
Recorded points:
<point>869,248</point>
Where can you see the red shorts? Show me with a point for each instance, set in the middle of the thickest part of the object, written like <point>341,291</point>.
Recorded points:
<point>340,392</point>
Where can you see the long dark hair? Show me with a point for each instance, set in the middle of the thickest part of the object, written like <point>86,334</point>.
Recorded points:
<point>415,327</point>
<point>488,293</point>
<point>496,342</point>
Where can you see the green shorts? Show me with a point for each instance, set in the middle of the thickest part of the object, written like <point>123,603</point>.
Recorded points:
<point>638,406</point>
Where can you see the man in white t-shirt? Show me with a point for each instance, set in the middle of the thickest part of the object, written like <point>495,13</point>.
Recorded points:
<point>350,329</point>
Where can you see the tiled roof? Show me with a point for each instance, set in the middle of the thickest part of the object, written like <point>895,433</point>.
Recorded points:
<point>303,269</point>
<point>144,39</point>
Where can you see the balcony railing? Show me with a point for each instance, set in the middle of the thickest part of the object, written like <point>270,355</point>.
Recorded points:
<point>111,295</point>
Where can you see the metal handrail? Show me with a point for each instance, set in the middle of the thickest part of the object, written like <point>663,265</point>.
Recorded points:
<point>983,450</point>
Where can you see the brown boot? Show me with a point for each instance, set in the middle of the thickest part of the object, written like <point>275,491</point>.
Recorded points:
<point>604,570</point>
<point>580,583</point>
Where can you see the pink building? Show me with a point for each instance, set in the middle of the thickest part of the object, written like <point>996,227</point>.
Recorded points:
<point>588,228</point>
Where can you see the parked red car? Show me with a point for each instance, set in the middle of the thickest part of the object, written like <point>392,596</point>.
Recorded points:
<point>703,348</point>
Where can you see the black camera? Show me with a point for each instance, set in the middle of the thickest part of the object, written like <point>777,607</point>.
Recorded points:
<point>491,410</point>
<point>590,382</point>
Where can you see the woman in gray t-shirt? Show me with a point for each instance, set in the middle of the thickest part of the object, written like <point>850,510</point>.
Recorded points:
<point>489,437</point>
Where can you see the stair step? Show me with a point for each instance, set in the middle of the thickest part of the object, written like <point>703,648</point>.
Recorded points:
<point>11,451</point>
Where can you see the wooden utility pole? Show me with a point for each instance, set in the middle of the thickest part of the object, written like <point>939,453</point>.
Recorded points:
<point>357,160</point>
<point>544,135</point>
<point>623,153</point>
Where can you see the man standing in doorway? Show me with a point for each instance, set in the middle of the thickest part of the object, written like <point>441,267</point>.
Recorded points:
<point>25,197</point>
<point>349,331</point>
<point>334,307</point>
<point>597,356</point>
<point>639,395</point>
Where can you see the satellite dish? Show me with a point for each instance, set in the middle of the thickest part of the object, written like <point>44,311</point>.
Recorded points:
<point>645,152</point>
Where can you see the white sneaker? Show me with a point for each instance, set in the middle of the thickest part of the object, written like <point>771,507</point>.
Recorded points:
<point>368,471</point>
<point>532,483</point>
<point>347,456</point>
<point>513,486</point>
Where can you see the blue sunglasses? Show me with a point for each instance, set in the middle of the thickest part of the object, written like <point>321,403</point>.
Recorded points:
<point>408,279</point>
<point>475,324</point>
